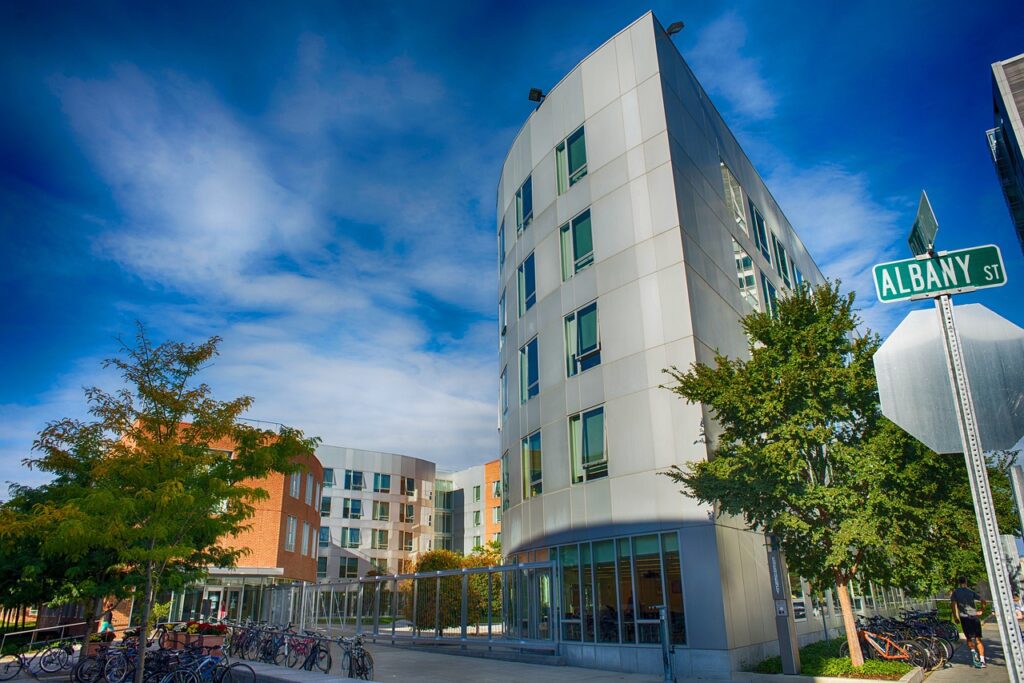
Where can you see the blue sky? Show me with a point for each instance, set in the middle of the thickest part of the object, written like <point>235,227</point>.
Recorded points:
<point>314,182</point>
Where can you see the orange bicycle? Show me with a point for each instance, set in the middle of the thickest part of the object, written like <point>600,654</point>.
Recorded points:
<point>879,646</point>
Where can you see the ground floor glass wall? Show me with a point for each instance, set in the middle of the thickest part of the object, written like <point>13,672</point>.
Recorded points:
<point>235,598</point>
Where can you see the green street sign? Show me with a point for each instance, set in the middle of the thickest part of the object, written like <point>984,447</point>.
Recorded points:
<point>949,272</point>
<point>922,235</point>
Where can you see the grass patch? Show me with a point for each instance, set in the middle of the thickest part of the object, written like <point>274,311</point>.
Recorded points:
<point>822,659</point>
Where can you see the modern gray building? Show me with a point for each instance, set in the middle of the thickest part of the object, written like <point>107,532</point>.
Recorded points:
<point>633,233</point>
<point>1006,139</point>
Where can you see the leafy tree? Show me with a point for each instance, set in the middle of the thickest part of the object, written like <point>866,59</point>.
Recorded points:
<point>804,453</point>
<point>481,593</point>
<point>164,493</point>
<point>438,601</point>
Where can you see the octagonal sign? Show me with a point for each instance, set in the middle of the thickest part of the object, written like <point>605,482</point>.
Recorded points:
<point>914,385</point>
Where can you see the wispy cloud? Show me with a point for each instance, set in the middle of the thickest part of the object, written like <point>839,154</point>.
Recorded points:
<point>719,61</point>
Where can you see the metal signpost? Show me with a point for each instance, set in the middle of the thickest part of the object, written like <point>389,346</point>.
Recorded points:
<point>939,276</point>
<point>785,624</point>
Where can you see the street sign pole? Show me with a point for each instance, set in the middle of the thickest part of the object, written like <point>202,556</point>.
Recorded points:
<point>988,528</point>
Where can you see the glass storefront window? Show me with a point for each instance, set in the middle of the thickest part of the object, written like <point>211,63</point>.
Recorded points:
<point>674,588</point>
<point>569,559</point>
<point>606,598</point>
<point>587,592</point>
<point>627,605</point>
<point>647,564</point>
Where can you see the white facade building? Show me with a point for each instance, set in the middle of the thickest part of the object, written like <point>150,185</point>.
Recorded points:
<point>633,233</point>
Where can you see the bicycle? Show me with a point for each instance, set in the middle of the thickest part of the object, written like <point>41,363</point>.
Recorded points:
<point>356,661</point>
<point>51,658</point>
<point>882,647</point>
<point>317,653</point>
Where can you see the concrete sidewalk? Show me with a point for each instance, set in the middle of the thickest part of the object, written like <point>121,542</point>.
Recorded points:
<point>963,672</point>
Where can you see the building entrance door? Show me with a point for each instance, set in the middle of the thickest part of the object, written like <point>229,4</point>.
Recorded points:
<point>211,604</point>
<point>232,602</point>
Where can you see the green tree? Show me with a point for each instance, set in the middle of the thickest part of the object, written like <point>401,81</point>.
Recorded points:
<point>804,454</point>
<point>164,492</point>
<point>483,592</point>
<point>438,600</point>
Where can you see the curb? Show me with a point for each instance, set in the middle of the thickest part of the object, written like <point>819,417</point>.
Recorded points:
<point>915,675</point>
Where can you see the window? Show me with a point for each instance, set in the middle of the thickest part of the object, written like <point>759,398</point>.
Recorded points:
<point>476,518</point>
<point>476,493</point>
<point>571,160</point>
<point>587,445</point>
<point>746,276</point>
<point>760,232</point>
<point>524,204</point>
<point>496,514</point>
<point>381,483</point>
<point>328,476</point>
<point>582,340</point>
<point>502,321</point>
<point>770,297</point>
<point>781,261</point>
<point>476,542</point>
<point>526,285</point>
<point>309,488</point>
<point>496,489</point>
<point>798,277</point>
<point>504,391</point>
<point>290,529</point>
<point>352,508</point>
<point>734,198</point>
<point>379,539</point>
<point>381,511</point>
<point>305,538</point>
<point>350,538</point>
<point>408,486</point>
<point>501,245</point>
<point>532,474</point>
<point>353,480</point>
<point>349,568</point>
<point>406,513</point>
<point>504,481</point>
<point>321,567</point>
<point>325,536</point>
<point>577,241</point>
<point>325,506</point>
<point>318,497</point>
<point>405,540</point>
<point>529,379</point>
<point>294,484</point>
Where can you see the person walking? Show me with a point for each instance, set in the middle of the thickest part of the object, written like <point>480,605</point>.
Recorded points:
<point>106,631</point>
<point>967,606</point>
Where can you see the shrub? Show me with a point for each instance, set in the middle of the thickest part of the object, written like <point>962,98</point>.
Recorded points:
<point>822,659</point>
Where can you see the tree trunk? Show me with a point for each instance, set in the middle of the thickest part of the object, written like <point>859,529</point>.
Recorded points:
<point>856,656</point>
<point>90,620</point>
<point>147,608</point>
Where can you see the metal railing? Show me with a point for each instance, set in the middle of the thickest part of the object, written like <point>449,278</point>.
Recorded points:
<point>509,606</point>
<point>59,629</point>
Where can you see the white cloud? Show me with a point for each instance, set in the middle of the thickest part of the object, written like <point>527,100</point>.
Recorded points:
<point>718,61</point>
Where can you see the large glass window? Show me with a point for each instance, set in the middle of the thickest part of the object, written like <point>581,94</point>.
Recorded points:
<point>648,578</point>
<point>627,602</point>
<point>325,536</point>
<point>381,510</point>
<point>532,471</point>
<point>408,486</point>
<point>587,451</point>
<point>529,371</point>
<point>571,159</point>
<point>321,567</point>
<point>569,558</point>
<point>406,513</point>
<point>605,592</point>
<point>353,480</point>
<point>746,276</point>
<point>349,568</point>
<point>582,340</point>
<point>328,476</point>
<point>577,245</point>
<point>350,538</point>
<point>734,198</point>
<point>352,508</point>
<point>781,261</point>
<point>380,539</point>
<point>325,506</point>
<point>673,587</point>
<point>526,279</point>
<point>381,483</point>
<point>771,297</point>
<point>405,540</point>
<point>524,204</point>
<point>760,232</point>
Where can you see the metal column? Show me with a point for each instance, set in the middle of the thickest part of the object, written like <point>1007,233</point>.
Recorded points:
<point>988,528</point>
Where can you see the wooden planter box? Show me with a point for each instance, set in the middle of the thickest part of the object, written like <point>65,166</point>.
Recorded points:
<point>93,648</point>
<point>182,640</point>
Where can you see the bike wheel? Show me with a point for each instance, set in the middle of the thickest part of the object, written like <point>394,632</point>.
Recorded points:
<point>323,659</point>
<point>50,661</point>
<point>87,670</point>
<point>240,673</point>
<point>293,657</point>
<point>116,669</point>
<point>365,666</point>
<point>916,655</point>
<point>279,655</point>
<point>346,664</point>
<point>10,666</point>
<point>181,676</point>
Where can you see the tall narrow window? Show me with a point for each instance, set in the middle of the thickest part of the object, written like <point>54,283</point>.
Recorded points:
<point>501,245</point>
<point>502,321</point>
<point>328,476</point>
<point>526,279</point>
<point>577,245</point>
<point>529,379</point>
<point>321,567</point>
<point>294,484</point>
<point>532,471</point>
<point>381,511</point>
<point>477,517</point>
<point>290,530</point>
<point>760,232</point>
<point>587,445</point>
<point>504,481</point>
<point>305,538</point>
<point>476,493</point>
<point>582,340</point>
<point>781,261</point>
<point>504,391</point>
<point>325,536</point>
<point>408,486</point>
<point>381,483</point>
<point>734,198</point>
<point>309,488</point>
<point>798,277</point>
<point>496,514</point>
<point>524,204</point>
<point>571,160</point>
<point>770,297</point>
<point>325,506</point>
<point>746,276</point>
<point>405,540</point>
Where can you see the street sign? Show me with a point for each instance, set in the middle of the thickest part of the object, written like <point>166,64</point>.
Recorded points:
<point>922,235</point>
<point>949,272</point>
<point>914,386</point>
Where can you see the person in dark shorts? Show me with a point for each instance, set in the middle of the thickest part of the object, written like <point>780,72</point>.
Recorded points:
<point>966,606</point>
